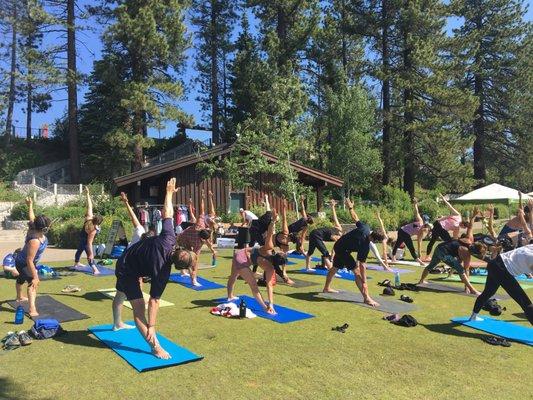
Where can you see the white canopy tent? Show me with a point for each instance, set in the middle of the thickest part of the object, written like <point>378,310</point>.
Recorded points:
<point>493,193</point>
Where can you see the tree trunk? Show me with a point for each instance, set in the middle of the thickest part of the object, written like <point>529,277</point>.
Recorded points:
<point>479,122</point>
<point>408,142</point>
<point>29,107</point>
<point>72,94</point>
<point>215,112</point>
<point>12,73</point>
<point>385,92</point>
<point>343,40</point>
<point>281,32</point>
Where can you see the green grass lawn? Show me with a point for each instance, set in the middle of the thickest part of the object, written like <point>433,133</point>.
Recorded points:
<point>260,359</point>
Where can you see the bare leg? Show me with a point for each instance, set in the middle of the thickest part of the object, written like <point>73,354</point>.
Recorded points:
<point>139,312</point>
<point>468,286</point>
<point>308,262</point>
<point>32,295</point>
<point>119,299</point>
<point>194,273</point>
<point>231,283</point>
<point>249,278</point>
<point>20,297</point>
<point>329,277</point>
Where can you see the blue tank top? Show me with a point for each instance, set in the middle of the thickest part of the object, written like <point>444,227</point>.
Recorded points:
<point>23,254</point>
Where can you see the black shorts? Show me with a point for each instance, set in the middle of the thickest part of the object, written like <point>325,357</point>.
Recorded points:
<point>127,284</point>
<point>316,243</point>
<point>343,259</point>
<point>25,275</point>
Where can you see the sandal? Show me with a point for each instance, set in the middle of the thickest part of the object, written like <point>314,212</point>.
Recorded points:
<point>496,341</point>
<point>386,282</point>
<point>71,289</point>
<point>392,317</point>
<point>405,298</point>
<point>341,329</point>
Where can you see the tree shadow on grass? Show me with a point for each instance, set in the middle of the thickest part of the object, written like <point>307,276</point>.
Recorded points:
<point>307,296</point>
<point>449,328</point>
<point>9,390</point>
<point>90,296</point>
<point>202,303</point>
<point>80,338</point>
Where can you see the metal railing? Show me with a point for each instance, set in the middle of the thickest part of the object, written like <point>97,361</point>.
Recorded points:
<point>185,149</point>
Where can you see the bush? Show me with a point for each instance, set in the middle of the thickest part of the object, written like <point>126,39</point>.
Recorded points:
<point>8,194</point>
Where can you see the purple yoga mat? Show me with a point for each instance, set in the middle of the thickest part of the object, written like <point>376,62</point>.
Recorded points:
<point>373,267</point>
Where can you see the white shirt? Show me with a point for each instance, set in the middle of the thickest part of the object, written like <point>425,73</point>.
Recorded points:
<point>136,236</point>
<point>249,216</point>
<point>375,251</point>
<point>519,261</point>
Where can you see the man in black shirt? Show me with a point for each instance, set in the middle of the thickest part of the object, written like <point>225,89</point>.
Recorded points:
<point>152,257</point>
<point>358,240</point>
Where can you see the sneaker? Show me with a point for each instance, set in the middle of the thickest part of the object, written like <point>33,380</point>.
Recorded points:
<point>24,338</point>
<point>71,289</point>
<point>11,341</point>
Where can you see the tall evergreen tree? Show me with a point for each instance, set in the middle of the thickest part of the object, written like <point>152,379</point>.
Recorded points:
<point>489,42</point>
<point>214,20</point>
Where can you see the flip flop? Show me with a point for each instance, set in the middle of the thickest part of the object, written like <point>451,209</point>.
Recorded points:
<point>386,282</point>
<point>496,341</point>
<point>405,298</point>
<point>341,329</point>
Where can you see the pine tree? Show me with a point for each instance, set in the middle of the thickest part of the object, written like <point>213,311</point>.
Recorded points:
<point>489,42</point>
<point>214,20</point>
<point>149,35</point>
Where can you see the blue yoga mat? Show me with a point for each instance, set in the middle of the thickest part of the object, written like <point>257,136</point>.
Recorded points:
<point>131,346</point>
<point>302,257</point>
<point>497,327</point>
<point>340,273</point>
<point>86,269</point>
<point>521,278</point>
<point>186,281</point>
<point>374,267</point>
<point>283,316</point>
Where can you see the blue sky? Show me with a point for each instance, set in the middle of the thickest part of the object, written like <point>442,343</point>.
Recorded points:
<point>90,49</point>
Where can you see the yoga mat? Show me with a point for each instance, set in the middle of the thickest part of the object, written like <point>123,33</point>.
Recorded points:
<point>385,305</point>
<point>343,274</point>
<point>284,314</point>
<point>104,271</point>
<point>439,287</point>
<point>373,267</point>
<point>497,327</point>
<point>302,257</point>
<point>112,292</point>
<point>48,307</point>
<point>403,262</point>
<point>186,281</point>
<point>298,283</point>
<point>482,279</point>
<point>131,346</point>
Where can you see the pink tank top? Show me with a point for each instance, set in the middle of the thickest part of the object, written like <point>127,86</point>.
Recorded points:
<point>240,259</point>
<point>412,229</point>
<point>450,222</point>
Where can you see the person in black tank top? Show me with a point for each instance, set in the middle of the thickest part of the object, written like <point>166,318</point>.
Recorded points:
<point>457,254</point>
<point>90,228</point>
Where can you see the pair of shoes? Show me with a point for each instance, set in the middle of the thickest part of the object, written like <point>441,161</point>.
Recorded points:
<point>71,289</point>
<point>405,298</point>
<point>496,341</point>
<point>392,317</point>
<point>14,340</point>
<point>341,329</point>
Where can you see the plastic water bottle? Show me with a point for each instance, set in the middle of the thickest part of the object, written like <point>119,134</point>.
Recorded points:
<point>397,279</point>
<point>242,309</point>
<point>214,261</point>
<point>19,315</point>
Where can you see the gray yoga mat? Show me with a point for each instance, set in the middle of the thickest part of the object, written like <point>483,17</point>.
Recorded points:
<point>298,283</point>
<point>385,305</point>
<point>48,307</point>
<point>440,287</point>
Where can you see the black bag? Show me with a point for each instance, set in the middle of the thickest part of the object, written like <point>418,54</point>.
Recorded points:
<point>493,307</point>
<point>406,320</point>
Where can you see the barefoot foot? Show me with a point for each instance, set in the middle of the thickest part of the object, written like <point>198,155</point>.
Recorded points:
<point>329,290</point>
<point>122,325</point>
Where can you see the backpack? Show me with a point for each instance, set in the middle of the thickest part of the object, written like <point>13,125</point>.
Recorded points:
<point>46,329</point>
<point>493,307</point>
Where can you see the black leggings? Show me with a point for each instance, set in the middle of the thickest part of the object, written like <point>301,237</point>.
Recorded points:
<point>404,237</point>
<point>437,232</point>
<point>498,276</point>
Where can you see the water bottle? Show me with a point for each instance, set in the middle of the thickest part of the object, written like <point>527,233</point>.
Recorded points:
<point>214,261</point>
<point>397,279</point>
<point>19,315</point>
<point>242,309</point>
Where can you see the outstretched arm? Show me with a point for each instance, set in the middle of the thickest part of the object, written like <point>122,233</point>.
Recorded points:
<point>269,239</point>
<point>131,213</point>
<point>202,203</point>
<point>168,208</point>
<point>267,203</point>
<point>525,226</point>
<point>470,230</point>
<point>490,225</point>
<point>453,210</point>
<point>89,212</point>
<point>31,213</point>
<point>192,216</point>
<point>384,241</point>
<point>284,224</point>
<point>302,205</point>
<point>354,215</point>
<point>418,217</point>
<point>212,211</point>
<point>334,215</point>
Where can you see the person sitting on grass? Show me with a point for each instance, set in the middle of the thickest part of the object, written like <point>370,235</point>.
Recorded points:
<point>502,271</point>
<point>263,256</point>
<point>318,236</point>
<point>457,254</point>
<point>418,228</point>
<point>194,237</point>
<point>8,264</point>
<point>357,240</point>
<point>91,227</point>
<point>27,259</point>
<point>453,222</point>
<point>152,257</point>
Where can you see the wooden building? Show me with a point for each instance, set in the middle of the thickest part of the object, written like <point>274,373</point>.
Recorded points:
<point>148,184</point>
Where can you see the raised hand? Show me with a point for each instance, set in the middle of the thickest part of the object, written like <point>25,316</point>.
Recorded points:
<point>123,198</point>
<point>171,186</point>
<point>29,201</point>
<point>348,202</point>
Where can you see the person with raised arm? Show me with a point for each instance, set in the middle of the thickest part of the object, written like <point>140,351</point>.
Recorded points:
<point>138,230</point>
<point>152,257</point>
<point>453,222</point>
<point>457,254</point>
<point>298,229</point>
<point>259,226</point>
<point>26,260</point>
<point>521,224</point>
<point>318,236</point>
<point>418,228</point>
<point>91,227</point>
<point>263,256</point>
<point>357,240</point>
